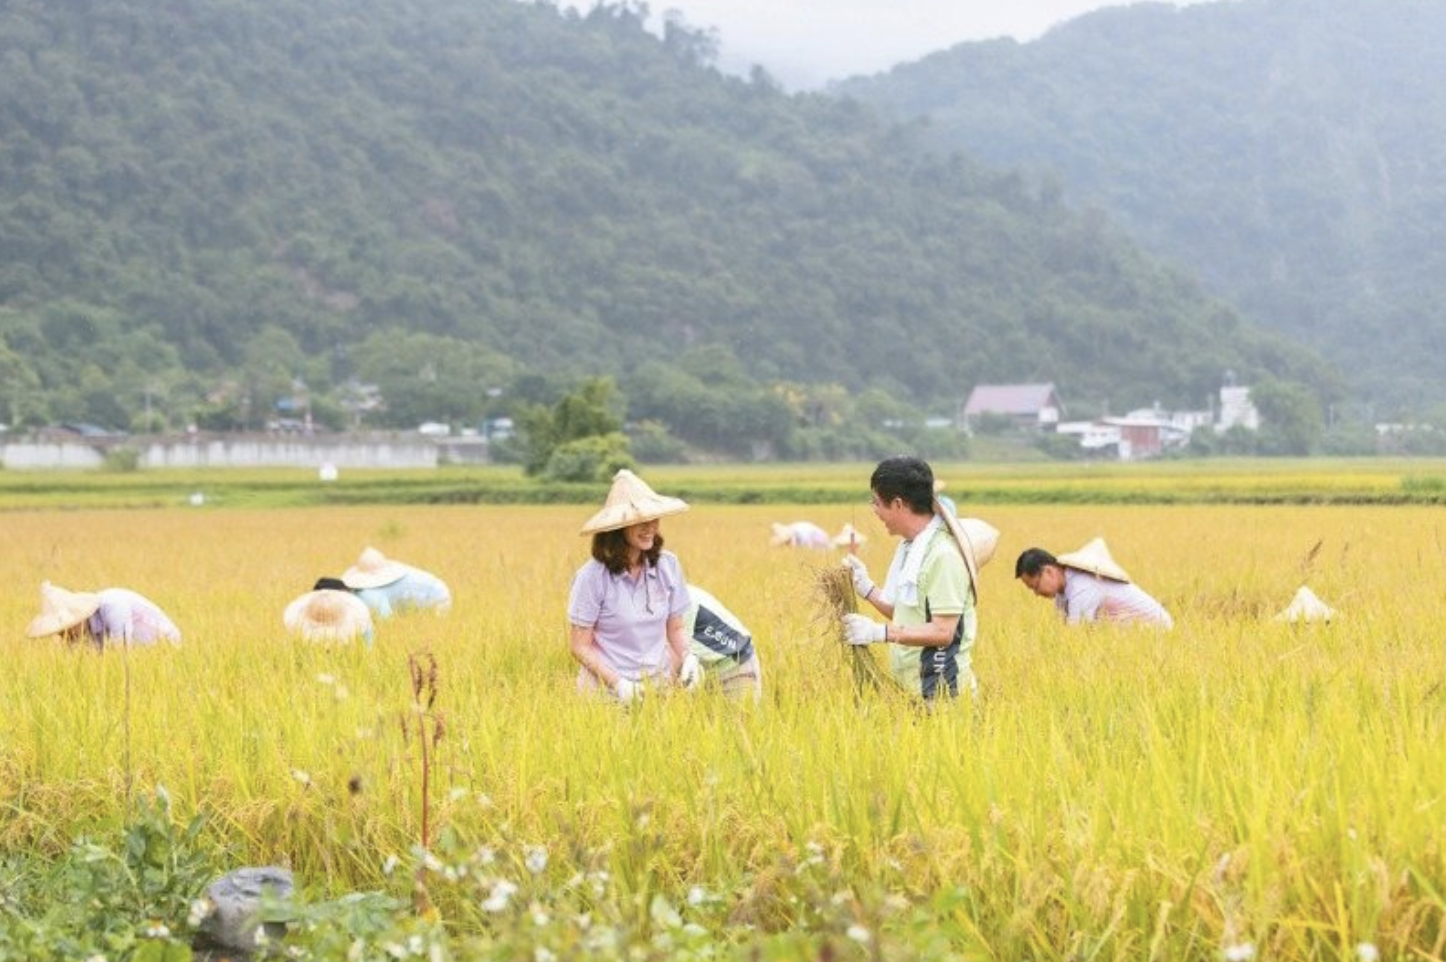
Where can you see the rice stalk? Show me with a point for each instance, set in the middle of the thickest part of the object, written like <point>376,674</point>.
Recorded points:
<point>836,589</point>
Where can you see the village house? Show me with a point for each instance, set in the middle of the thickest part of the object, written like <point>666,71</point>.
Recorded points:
<point>1029,406</point>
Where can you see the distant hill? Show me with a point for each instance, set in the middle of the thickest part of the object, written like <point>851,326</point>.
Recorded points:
<point>1288,150</point>
<point>223,203</point>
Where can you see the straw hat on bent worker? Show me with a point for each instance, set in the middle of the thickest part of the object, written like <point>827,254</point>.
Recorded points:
<point>630,501</point>
<point>976,539</point>
<point>373,570</point>
<point>61,609</point>
<point>1094,558</point>
<point>328,615</point>
<point>1306,606</point>
<point>848,536</point>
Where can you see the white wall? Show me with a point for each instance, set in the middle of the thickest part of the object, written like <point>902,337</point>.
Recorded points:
<point>228,453</point>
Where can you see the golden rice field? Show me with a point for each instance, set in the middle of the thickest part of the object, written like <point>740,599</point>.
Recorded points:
<point>1235,789</point>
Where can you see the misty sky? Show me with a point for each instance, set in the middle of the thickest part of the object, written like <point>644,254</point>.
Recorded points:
<point>804,43</point>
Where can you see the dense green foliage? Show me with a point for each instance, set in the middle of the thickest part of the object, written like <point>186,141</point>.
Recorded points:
<point>223,211</point>
<point>1288,150</point>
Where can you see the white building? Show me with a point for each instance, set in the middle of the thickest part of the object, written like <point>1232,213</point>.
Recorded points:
<point>1236,408</point>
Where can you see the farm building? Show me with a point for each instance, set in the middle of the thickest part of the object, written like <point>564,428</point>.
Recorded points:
<point>1032,406</point>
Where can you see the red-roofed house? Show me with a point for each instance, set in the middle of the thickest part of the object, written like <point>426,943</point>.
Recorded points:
<point>1035,406</point>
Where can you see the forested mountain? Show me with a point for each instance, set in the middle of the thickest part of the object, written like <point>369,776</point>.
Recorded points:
<point>1290,151</point>
<point>211,204</point>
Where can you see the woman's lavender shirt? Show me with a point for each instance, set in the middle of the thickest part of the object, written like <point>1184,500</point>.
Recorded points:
<point>628,615</point>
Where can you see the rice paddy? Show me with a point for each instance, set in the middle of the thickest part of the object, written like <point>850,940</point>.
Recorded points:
<point>1237,788</point>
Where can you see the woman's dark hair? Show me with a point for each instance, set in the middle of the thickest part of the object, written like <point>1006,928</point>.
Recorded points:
<point>1032,561</point>
<point>330,584</point>
<point>908,478</point>
<point>610,549</point>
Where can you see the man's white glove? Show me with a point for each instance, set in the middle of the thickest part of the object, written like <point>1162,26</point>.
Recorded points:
<point>861,630</point>
<point>863,584</point>
<point>690,673</point>
<point>627,690</point>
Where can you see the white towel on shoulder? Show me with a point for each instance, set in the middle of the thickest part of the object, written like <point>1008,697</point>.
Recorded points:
<point>901,587</point>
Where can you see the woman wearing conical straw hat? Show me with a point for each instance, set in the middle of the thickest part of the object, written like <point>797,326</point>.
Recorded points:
<point>627,604</point>
<point>102,617</point>
<point>1088,585</point>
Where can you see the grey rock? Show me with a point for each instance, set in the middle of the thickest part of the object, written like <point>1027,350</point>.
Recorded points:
<point>236,902</point>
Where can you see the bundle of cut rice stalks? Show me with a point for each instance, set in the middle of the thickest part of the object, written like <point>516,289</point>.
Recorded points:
<point>836,589</point>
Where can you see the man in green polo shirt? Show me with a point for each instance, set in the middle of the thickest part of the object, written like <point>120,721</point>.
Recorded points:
<point>928,597</point>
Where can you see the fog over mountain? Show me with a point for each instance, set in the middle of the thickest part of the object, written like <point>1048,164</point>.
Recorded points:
<point>1287,150</point>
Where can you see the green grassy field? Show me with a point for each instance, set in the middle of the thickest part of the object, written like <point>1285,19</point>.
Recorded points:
<point>1234,789</point>
<point>1251,481</point>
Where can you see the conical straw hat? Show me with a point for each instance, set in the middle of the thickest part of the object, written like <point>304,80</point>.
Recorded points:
<point>1305,606</point>
<point>61,609</point>
<point>848,536</point>
<point>373,570</point>
<point>976,539</point>
<point>1095,559</point>
<point>630,501</point>
<point>328,615</point>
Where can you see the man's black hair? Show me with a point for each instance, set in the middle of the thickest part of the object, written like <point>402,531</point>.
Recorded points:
<point>905,477</point>
<point>332,584</point>
<point>1032,561</point>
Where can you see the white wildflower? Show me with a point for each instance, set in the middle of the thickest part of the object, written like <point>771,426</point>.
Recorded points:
<point>457,794</point>
<point>500,896</point>
<point>342,693</point>
<point>540,918</point>
<point>858,933</point>
<point>485,855</point>
<point>416,944</point>
<point>543,954</point>
<point>841,897</point>
<point>484,800</point>
<point>697,895</point>
<point>431,862</point>
<point>535,858</point>
<point>156,930</point>
<point>326,679</point>
<point>390,865</point>
<point>396,950</point>
<point>200,911</point>
<point>1243,952</point>
<point>301,776</point>
<point>435,953</point>
<point>584,921</point>
<point>1367,951</point>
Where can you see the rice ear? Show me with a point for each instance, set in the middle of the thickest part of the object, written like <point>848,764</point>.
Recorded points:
<point>836,589</point>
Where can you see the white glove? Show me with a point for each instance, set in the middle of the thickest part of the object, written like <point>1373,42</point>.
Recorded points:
<point>861,630</point>
<point>863,584</point>
<point>691,672</point>
<point>627,690</point>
